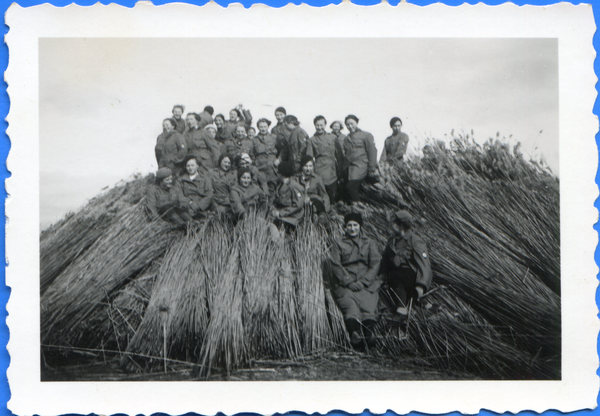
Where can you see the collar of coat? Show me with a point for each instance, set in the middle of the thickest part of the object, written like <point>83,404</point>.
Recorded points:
<point>359,237</point>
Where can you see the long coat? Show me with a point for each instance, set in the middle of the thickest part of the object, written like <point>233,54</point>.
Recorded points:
<point>264,153</point>
<point>204,147</point>
<point>198,192</point>
<point>408,250</point>
<point>361,154</point>
<point>298,146</point>
<point>222,183</point>
<point>288,201</point>
<point>314,188</point>
<point>244,198</point>
<point>170,150</point>
<point>394,148</point>
<point>328,154</point>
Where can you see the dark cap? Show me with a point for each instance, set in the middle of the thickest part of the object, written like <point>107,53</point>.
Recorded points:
<point>305,159</point>
<point>286,169</point>
<point>280,110</point>
<point>163,173</point>
<point>353,216</point>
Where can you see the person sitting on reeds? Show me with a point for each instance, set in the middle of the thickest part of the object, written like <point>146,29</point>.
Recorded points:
<point>327,151</point>
<point>171,148</point>
<point>223,179</point>
<point>394,147</point>
<point>245,195</point>
<point>243,160</point>
<point>288,204</point>
<point>360,158</point>
<point>265,153</point>
<point>315,195</point>
<point>163,200</point>
<point>201,144</point>
<point>355,284</point>
<point>241,143</point>
<point>196,187</point>
<point>405,266</point>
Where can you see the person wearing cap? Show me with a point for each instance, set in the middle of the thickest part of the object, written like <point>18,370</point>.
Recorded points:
<point>223,179</point>
<point>315,195</point>
<point>265,153</point>
<point>206,117</point>
<point>163,200</point>
<point>201,144</point>
<point>297,142</point>
<point>245,195</point>
<point>328,154</point>
<point>171,148</point>
<point>177,112</point>
<point>405,265</point>
<point>354,260</point>
<point>394,147</point>
<point>360,157</point>
<point>288,203</point>
<point>196,187</point>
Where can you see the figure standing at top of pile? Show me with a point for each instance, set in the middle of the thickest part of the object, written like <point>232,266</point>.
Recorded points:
<point>328,155</point>
<point>395,145</point>
<point>177,112</point>
<point>355,287</point>
<point>361,158</point>
<point>171,148</point>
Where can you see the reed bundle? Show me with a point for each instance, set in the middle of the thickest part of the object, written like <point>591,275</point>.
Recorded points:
<point>90,281</point>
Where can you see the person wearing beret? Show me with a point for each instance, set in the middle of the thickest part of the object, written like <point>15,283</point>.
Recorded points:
<point>315,195</point>
<point>327,151</point>
<point>171,148</point>
<point>405,265</point>
<point>288,203</point>
<point>355,284</point>
<point>196,187</point>
<point>201,144</point>
<point>163,200</point>
<point>177,112</point>
<point>394,147</point>
<point>361,157</point>
<point>245,195</point>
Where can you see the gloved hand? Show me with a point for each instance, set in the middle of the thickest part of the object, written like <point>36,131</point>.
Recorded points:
<point>355,286</point>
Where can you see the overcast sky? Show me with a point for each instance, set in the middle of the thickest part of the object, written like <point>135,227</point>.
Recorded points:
<point>102,101</point>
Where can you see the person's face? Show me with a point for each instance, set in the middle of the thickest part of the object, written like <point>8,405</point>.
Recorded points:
<point>308,168</point>
<point>233,115</point>
<point>226,164</point>
<point>352,228</point>
<point>177,112</point>
<point>245,179</point>
<point>397,127</point>
<point>290,126</point>
<point>352,125</point>
<point>167,182</point>
<point>244,163</point>
<point>336,127</point>
<point>263,128</point>
<point>191,167</point>
<point>251,132</point>
<point>212,133</point>
<point>279,116</point>
<point>320,126</point>
<point>191,121</point>
<point>240,132</point>
<point>219,122</point>
<point>167,126</point>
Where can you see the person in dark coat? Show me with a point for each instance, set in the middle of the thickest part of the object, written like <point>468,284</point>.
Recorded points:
<point>171,148</point>
<point>394,147</point>
<point>223,179</point>
<point>177,112</point>
<point>360,157</point>
<point>315,195</point>
<point>196,187</point>
<point>243,160</point>
<point>163,200</point>
<point>206,117</point>
<point>240,143</point>
<point>327,151</point>
<point>288,203</point>
<point>245,195</point>
<point>297,142</point>
<point>201,144</point>
<point>355,284</point>
<point>405,265</point>
<point>281,134</point>
<point>223,133</point>
<point>264,152</point>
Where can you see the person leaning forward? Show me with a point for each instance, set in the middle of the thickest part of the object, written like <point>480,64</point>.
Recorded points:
<point>355,285</point>
<point>405,265</point>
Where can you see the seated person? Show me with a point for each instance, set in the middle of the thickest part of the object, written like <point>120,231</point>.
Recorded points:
<point>315,194</point>
<point>196,187</point>
<point>163,200</point>
<point>223,179</point>
<point>245,195</point>
<point>288,203</point>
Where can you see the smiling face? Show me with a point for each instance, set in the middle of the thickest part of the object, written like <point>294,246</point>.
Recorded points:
<point>246,179</point>
<point>397,127</point>
<point>177,112</point>
<point>352,228</point>
<point>279,116</point>
<point>240,132</point>
<point>233,115</point>
<point>320,126</point>
<point>226,164</point>
<point>191,121</point>
<point>212,133</point>
<point>191,167</point>
<point>352,125</point>
<point>167,126</point>
<point>219,122</point>
<point>308,168</point>
<point>336,127</point>
<point>251,132</point>
<point>167,182</point>
<point>263,127</point>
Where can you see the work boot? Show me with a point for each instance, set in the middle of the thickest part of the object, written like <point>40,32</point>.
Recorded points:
<point>355,340</point>
<point>368,326</point>
<point>353,327</point>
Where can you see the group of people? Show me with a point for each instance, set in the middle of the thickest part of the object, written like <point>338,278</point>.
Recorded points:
<point>227,166</point>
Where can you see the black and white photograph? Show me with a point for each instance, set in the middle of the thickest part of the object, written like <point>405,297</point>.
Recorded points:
<point>308,208</point>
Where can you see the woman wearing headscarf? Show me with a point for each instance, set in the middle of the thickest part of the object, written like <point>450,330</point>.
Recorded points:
<point>355,286</point>
<point>288,203</point>
<point>171,148</point>
<point>265,153</point>
<point>196,187</point>
<point>297,142</point>
<point>245,195</point>
<point>315,196</point>
<point>360,156</point>
<point>394,147</point>
<point>328,154</point>
<point>163,200</point>
<point>223,179</point>
<point>201,144</point>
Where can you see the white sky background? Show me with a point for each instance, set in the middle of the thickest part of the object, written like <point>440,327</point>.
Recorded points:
<point>102,101</point>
